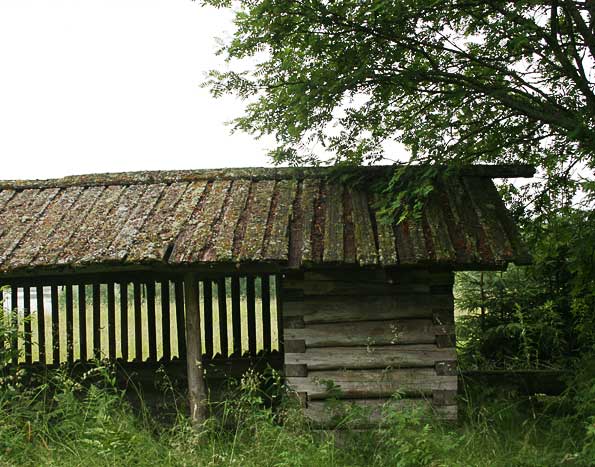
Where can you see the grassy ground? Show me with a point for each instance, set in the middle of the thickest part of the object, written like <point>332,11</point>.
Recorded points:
<point>60,421</point>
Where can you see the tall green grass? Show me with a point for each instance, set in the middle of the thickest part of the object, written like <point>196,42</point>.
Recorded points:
<point>56,419</point>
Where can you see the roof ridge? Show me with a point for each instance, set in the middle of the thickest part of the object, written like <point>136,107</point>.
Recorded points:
<point>251,173</point>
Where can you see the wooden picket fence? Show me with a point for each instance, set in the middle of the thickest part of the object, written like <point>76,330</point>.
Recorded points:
<point>138,318</point>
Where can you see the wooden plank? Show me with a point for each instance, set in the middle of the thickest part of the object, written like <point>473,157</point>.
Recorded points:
<point>223,241</point>
<point>346,334</point>
<point>222,305</point>
<point>165,321</point>
<point>369,412</point>
<point>266,312</point>
<point>444,250</point>
<point>236,316</point>
<point>55,325</point>
<point>277,243</point>
<point>2,316</point>
<point>128,231</point>
<point>251,310</point>
<point>207,288</point>
<point>88,231</point>
<point>196,385</point>
<point>151,321</point>
<point>253,241</point>
<point>96,290</point>
<point>362,308</point>
<point>14,325</point>
<point>64,234</point>
<point>363,384</point>
<point>194,239</point>
<point>111,321</point>
<point>24,216</point>
<point>180,320</point>
<point>394,356</point>
<point>477,189</point>
<point>349,287</point>
<point>33,242</point>
<point>69,305</point>
<point>138,322</point>
<point>124,321</point>
<point>165,222</point>
<point>5,197</point>
<point>333,225</point>
<point>310,191</point>
<point>97,248</point>
<point>365,242</point>
<point>27,324</point>
<point>82,309</point>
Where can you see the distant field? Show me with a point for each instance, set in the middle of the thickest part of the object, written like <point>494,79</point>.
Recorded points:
<point>131,341</point>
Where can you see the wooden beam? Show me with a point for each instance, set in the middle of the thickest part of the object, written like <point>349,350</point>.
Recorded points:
<point>194,366</point>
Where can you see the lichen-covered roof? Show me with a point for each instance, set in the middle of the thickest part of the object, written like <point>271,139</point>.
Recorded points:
<point>294,217</point>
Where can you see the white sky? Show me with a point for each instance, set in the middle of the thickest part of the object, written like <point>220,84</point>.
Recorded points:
<point>113,85</point>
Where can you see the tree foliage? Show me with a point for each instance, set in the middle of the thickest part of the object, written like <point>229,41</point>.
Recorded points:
<point>457,81</point>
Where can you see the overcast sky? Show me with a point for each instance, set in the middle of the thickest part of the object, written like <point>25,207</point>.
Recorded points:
<point>113,85</point>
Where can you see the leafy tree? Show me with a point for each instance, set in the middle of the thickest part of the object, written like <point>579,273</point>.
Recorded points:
<point>457,81</point>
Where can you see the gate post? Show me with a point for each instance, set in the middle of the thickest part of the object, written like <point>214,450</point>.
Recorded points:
<point>196,383</point>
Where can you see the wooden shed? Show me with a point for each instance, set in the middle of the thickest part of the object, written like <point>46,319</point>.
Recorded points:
<point>216,267</point>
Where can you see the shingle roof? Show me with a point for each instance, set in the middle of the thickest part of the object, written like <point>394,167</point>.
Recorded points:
<point>287,216</point>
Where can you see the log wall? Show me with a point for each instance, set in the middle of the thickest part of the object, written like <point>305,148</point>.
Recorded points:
<point>371,333</point>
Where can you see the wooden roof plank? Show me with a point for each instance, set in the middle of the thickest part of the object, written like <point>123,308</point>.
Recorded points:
<point>365,243</point>
<point>5,197</point>
<point>387,251</point>
<point>222,243</point>
<point>443,248</point>
<point>254,237</point>
<point>33,207</point>
<point>333,225</point>
<point>489,221</point>
<point>310,190</point>
<point>204,230</point>
<point>65,230</point>
<point>465,220</point>
<point>98,246</point>
<point>121,245</point>
<point>85,231</point>
<point>148,242</point>
<point>44,228</point>
<point>277,247</point>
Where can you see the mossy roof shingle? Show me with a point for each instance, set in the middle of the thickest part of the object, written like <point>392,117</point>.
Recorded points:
<point>292,217</point>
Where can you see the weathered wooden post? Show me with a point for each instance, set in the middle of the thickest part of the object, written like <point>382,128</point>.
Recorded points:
<point>196,384</point>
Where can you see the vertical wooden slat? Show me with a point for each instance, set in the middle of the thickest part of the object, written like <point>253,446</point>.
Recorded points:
<point>165,320</point>
<point>222,300</point>
<point>82,321</point>
<point>55,325</point>
<point>151,322</point>
<point>124,320</point>
<point>14,324</point>
<point>96,320</point>
<point>279,313</point>
<point>266,312</point>
<point>180,321</point>
<point>138,329</point>
<point>1,316</point>
<point>207,287</point>
<point>251,300</point>
<point>69,325</point>
<point>111,320</point>
<point>236,316</point>
<point>27,323</point>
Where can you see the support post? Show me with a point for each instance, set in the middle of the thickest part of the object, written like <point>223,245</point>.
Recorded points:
<point>196,383</point>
